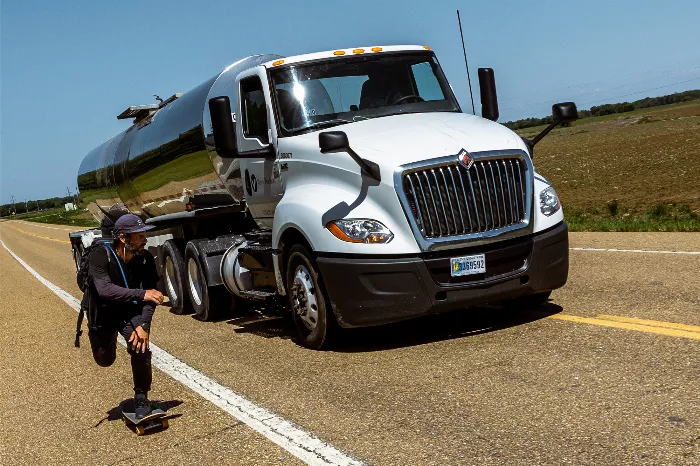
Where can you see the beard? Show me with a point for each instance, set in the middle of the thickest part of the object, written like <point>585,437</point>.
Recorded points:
<point>134,251</point>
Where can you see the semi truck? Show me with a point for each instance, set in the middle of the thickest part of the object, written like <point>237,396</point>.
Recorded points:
<point>348,184</point>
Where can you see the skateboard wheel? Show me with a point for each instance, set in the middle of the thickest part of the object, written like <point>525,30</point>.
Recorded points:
<point>140,430</point>
<point>165,424</point>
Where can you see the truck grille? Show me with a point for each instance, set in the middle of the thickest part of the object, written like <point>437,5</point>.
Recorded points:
<point>451,200</point>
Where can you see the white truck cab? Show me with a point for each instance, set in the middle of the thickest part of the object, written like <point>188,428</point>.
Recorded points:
<point>355,188</point>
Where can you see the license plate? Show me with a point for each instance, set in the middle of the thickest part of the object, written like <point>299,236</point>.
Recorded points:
<point>468,265</point>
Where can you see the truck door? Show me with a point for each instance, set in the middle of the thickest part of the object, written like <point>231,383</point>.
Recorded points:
<point>255,131</point>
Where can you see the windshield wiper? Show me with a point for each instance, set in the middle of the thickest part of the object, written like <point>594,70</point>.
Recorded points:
<point>322,124</point>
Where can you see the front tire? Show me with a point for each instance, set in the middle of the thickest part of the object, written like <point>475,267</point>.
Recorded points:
<point>311,312</point>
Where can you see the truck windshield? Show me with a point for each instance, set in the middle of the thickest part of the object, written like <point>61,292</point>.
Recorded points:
<point>343,90</point>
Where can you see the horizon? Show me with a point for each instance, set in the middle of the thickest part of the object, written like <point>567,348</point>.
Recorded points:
<point>93,60</point>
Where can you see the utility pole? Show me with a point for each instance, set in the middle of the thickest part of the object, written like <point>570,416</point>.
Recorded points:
<point>26,210</point>
<point>12,200</point>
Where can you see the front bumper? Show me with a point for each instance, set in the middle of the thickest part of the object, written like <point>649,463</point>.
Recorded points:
<point>374,291</point>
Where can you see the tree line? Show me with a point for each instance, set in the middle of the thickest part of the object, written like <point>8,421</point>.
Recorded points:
<point>609,109</point>
<point>20,207</point>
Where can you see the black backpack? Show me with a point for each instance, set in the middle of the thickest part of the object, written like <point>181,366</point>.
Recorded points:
<point>89,303</point>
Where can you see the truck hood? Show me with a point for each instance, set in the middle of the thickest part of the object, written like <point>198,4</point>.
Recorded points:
<point>402,139</point>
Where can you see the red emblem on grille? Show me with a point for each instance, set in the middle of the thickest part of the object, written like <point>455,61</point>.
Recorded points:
<point>465,159</point>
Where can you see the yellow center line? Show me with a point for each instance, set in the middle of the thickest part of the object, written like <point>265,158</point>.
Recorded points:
<point>39,236</point>
<point>639,325</point>
<point>651,323</point>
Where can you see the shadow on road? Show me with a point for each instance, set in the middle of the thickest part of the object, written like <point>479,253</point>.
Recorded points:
<point>276,323</point>
<point>115,413</point>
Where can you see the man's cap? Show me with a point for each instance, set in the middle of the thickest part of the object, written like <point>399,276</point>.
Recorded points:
<point>130,223</point>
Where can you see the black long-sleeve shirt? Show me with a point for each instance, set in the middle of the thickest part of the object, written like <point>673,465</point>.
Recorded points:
<point>141,275</point>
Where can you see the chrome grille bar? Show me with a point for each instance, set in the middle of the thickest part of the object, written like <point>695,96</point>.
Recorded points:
<point>451,200</point>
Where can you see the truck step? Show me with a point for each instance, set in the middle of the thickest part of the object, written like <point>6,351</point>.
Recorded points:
<point>257,295</point>
<point>256,248</point>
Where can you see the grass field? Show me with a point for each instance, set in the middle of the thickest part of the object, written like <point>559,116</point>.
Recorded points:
<point>59,216</point>
<point>635,171</point>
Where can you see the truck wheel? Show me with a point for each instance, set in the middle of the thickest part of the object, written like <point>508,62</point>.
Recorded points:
<point>174,278</point>
<point>206,301</point>
<point>313,318</point>
<point>528,301</point>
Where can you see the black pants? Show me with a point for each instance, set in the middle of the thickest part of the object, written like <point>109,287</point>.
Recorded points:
<point>104,350</point>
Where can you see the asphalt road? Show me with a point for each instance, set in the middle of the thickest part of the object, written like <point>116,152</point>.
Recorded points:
<point>608,372</point>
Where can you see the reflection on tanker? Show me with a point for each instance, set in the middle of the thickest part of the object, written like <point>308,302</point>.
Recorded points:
<point>156,167</point>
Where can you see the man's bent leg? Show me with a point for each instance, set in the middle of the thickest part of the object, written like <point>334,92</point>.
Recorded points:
<point>104,346</point>
<point>140,364</point>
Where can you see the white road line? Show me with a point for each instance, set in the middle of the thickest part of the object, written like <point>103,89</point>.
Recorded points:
<point>690,253</point>
<point>300,443</point>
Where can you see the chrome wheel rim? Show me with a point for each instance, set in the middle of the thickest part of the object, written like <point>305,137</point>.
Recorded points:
<point>170,278</point>
<point>304,303</point>
<point>195,284</point>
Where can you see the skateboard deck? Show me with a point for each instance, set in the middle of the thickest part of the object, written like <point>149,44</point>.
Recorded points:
<point>148,423</point>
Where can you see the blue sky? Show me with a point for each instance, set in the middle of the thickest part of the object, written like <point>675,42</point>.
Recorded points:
<point>68,68</point>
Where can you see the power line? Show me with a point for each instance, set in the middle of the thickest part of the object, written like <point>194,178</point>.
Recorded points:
<point>645,90</point>
<point>645,71</point>
<point>530,104</point>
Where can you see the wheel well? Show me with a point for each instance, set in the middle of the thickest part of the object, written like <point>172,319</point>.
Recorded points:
<point>290,237</point>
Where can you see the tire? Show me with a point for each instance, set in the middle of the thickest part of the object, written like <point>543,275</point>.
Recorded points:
<point>174,274</point>
<point>207,302</point>
<point>529,301</point>
<point>307,298</point>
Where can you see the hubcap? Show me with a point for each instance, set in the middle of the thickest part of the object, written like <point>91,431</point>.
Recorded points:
<point>304,302</point>
<point>170,278</point>
<point>195,284</point>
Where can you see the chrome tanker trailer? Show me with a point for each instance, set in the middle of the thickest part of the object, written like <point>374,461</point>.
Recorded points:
<point>347,182</point>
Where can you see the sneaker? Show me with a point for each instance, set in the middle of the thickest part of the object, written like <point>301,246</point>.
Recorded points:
<point>142,407</point>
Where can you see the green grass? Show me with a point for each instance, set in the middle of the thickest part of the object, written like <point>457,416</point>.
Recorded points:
<point>535,130</point>
<point>59,216</point>
<point>663,217</point>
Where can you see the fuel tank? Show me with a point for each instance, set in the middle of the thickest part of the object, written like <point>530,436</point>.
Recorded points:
<point>161,164</point>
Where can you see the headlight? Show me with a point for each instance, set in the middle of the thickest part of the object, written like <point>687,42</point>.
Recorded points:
<point>549,201</point>
<point>360,231</point>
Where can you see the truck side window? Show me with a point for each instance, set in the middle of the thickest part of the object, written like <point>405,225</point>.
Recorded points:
<point>426,81</point>
<point>254,111</point>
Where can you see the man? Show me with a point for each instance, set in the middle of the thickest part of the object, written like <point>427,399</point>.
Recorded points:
<point>124,278</point>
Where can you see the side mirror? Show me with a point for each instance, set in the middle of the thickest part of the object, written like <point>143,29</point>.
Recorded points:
<point>564,112</point>
<point>222,125</point>
<point>489,100</point>
<point>333,141</point>
<point>337,141</point>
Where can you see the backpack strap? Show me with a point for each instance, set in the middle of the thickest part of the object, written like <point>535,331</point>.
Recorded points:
<point>119,263</point>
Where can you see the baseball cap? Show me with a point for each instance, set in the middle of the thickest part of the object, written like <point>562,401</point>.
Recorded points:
<point>130,223</point>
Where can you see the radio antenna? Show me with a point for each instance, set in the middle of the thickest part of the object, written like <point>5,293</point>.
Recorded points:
<point>466,63</point>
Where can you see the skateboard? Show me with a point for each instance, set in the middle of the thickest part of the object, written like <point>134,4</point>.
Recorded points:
<point>149,423</point>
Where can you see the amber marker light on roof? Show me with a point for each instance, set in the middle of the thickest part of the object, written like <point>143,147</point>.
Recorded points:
<point>358,51</point>
<point>376,49</point>
<point>277,63</point>
<point>426,47</point>
<point>339,52</point>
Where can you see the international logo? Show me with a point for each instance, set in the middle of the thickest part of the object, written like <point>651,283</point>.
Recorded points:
<point>465,159</point>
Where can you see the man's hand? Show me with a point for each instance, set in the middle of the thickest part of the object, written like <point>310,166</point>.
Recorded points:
<point>139,340</point>
<point>153,296</point>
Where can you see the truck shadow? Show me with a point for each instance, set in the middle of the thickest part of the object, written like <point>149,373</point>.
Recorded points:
<point>446,326</point>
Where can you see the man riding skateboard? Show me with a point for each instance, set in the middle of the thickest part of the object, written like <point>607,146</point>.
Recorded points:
<point>124,278</point>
